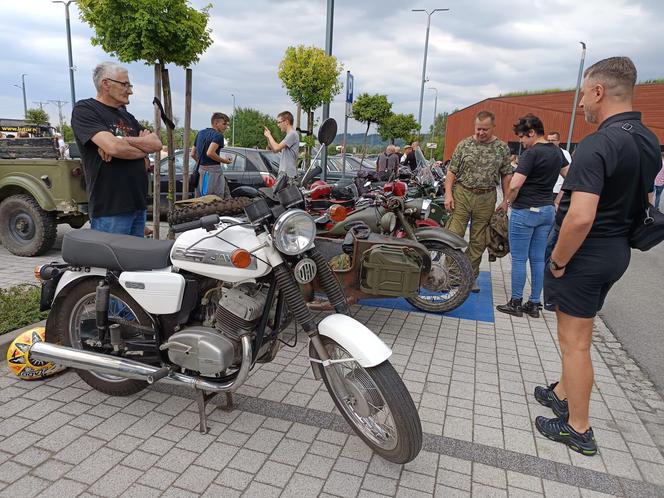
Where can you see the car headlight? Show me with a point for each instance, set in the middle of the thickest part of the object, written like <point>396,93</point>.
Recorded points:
<point>426,208</point>
<point>294,232</point>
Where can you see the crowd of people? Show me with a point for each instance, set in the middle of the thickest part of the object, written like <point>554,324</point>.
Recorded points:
<point>570,218</point>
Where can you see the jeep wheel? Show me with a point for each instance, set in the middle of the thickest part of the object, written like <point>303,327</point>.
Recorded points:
<point>25,228</point>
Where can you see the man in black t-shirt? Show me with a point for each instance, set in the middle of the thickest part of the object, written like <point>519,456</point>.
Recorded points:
<point>588,247</point>
<point>113,149</point>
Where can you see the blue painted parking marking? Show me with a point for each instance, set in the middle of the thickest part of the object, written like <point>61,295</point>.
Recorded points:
<point>477,307</point>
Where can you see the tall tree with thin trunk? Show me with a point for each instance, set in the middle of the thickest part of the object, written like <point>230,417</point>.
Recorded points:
<point>311,79</point>
<point>156,32</point>
<point>371,109</point>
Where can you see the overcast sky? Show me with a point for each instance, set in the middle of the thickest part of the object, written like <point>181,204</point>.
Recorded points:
<point>477,50</point>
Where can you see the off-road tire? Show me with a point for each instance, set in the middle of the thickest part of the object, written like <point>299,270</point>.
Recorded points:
<point>191,211</point>
<point>61,323</point>
<point>466,280</point>
<point>44,224</point>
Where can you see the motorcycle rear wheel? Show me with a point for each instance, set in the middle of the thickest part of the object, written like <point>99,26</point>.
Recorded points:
<point>459,274</point>
<point>380,409</point>
<point>75,319</point>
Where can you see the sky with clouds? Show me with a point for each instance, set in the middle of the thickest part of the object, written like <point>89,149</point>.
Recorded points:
<point>478,49</point>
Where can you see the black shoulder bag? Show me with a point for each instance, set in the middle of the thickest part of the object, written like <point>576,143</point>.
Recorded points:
<point>648,228</point>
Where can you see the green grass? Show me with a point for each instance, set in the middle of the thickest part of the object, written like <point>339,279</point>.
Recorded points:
<point>19,306</point>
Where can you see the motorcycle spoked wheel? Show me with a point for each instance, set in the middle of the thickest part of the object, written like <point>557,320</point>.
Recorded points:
<point>380,411</point>
<point>458,272</point>
<point>76,320</point>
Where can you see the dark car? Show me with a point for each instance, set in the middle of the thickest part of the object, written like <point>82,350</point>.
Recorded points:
<point>250,167</point>
<point>335,167</point>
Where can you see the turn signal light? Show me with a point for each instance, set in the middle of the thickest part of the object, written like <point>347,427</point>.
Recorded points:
<point>37,271</point>
<point>240,258</point>
<point>338,213</point>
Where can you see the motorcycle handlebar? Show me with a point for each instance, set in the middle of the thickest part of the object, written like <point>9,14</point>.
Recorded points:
<point>208,222</point>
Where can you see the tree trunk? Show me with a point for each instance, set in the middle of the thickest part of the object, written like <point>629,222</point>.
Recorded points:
<point>185,138</point>
<point>364,149</point>
<point>156,174</point>
<point>307,150</point>
<point>168,108</point>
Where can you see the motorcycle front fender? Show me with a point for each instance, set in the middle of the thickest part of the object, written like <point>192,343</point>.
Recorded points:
<point>441,235</point>
<point>362,344</point>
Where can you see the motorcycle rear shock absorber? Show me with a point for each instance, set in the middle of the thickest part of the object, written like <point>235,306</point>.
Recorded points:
<point>102,298</point>
<point>330,283</point>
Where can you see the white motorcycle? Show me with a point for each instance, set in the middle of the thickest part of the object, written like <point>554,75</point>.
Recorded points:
<point>204,309</point>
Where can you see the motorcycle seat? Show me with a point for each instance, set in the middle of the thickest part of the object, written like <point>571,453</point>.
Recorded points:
<point>115,251</point>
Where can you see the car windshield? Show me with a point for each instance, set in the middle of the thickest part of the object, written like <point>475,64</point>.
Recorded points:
<point>179,156</point>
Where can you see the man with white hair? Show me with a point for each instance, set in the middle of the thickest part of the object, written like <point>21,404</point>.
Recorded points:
<point>387,163</point>
<point>113,149</point>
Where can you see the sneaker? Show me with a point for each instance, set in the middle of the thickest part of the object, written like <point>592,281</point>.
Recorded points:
<point>532,309</point>
<point>513,307</point>
<point>547,397</point>
<point>559,430</point>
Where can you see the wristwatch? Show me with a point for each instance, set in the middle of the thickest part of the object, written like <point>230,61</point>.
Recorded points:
<point>555,266</point>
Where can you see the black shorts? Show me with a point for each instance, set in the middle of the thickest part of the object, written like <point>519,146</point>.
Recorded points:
<point>589,275</point>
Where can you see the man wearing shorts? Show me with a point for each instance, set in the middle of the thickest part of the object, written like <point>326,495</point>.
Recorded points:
<point>588,248</point>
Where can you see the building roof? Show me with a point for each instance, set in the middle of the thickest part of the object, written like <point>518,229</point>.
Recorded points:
<point>555,111</point>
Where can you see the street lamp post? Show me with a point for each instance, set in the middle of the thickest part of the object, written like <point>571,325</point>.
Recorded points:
<point>71,59</point>
<point>576,97</point>
<point>25,101</point>
<point>433,125</point>
<point>424,64</point>
<point>233,131</point>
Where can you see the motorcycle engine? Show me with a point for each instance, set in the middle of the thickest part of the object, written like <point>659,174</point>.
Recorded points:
<point>210,351</point>
<point>239,310</point>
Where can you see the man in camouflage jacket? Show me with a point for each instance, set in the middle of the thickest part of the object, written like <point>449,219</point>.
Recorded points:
<point>478,164</point>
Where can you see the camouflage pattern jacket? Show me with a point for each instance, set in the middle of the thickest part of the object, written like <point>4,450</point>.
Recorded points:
<point>477,165</point>
<point>497,236</point>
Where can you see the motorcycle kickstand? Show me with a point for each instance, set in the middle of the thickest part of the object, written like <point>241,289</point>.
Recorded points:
<point>202,399</point>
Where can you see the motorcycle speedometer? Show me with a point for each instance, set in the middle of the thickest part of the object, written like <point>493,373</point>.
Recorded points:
<point>294,232</point>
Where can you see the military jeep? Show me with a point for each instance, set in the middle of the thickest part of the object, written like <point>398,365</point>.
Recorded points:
<point>37,192</point>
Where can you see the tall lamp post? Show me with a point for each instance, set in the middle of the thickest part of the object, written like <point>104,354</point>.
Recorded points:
<point>433,125</point>
<point>233,131</point>
<point>576,96</point>
<point>71,59</point>
<point>424,64</point>
<point>25,101</point>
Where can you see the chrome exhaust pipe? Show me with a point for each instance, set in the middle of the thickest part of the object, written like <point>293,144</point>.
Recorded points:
<point>130,369</point>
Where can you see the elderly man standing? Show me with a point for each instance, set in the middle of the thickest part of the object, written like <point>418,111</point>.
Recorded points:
<point>614,168</point>
<point>387,163</point>
<point>479,162</point>
<point>113,148</point>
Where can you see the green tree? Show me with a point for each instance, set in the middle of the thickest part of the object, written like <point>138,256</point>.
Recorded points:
<point>146,124</point>
<point>371,109</point>
<point>311,78</point>
<point>155,32</point>
<point>67,133</point>
<point>397,126</point>
<point>249,128</point>
<point>37,116</point>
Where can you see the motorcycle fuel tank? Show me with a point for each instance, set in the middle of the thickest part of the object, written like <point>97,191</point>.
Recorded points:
<point>209,253</point>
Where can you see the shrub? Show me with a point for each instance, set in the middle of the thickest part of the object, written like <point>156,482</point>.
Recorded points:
<point>19,306</point>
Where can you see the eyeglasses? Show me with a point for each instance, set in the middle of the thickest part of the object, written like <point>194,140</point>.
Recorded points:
<point>125,84</point>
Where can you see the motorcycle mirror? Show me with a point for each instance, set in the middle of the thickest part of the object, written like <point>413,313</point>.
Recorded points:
<point>310,175</point>
<point>327,131</point>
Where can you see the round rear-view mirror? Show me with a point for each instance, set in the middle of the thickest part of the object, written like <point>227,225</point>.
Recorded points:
<point>327,131</point>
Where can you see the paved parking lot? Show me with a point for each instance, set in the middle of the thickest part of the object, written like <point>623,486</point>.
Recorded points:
<point>471,380</point>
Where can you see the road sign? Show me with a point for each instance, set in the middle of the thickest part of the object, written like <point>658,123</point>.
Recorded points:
<point>349,87</point>
<point>432,145</point>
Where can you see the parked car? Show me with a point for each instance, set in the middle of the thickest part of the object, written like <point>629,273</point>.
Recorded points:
<point>335,166</point>
<point>251,167</point>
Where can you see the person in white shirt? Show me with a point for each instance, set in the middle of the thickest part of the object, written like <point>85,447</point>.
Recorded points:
<point>554,138</point>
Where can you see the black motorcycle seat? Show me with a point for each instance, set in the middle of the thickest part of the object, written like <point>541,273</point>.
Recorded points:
<point>115,251</point>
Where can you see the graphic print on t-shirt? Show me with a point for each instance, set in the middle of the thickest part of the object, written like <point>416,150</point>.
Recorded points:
<point>122,129</point>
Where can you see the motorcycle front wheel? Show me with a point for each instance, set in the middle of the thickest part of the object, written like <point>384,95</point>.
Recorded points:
<point>379,408</point>
<point>453,267</point>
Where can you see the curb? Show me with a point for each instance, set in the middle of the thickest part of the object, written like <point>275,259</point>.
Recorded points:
<point>7,338</point>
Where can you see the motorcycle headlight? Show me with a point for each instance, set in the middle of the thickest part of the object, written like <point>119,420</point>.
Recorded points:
<point>294,232</point>
<point>426,208</point>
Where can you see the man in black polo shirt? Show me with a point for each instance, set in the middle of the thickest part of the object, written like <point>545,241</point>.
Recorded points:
<point>588,247</point>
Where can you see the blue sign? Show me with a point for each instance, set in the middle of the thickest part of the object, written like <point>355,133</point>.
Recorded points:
<point>349,87</point>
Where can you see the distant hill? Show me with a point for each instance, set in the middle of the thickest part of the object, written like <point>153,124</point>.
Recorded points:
<point>373,140</point>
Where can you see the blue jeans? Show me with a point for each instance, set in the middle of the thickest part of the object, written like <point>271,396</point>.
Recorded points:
<point>658,195</point>
<point>132,223</point>
<point>528,234</point>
